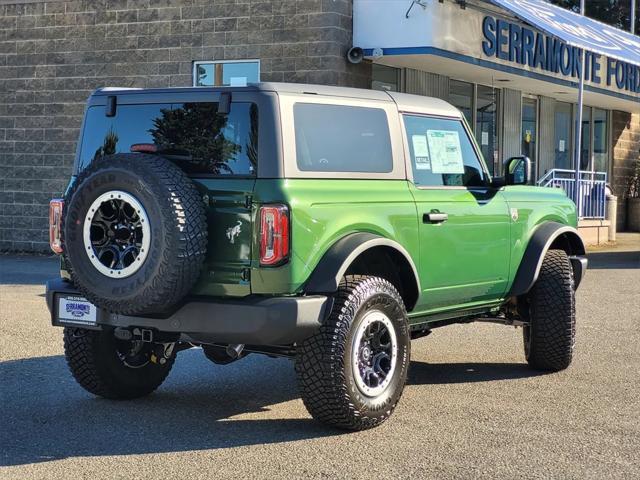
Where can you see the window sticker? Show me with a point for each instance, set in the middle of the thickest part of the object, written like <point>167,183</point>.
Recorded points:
<point>446,152</point>
<point>421,152</point>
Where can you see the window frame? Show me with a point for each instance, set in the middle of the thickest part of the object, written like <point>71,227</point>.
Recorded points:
<point>291,170</point>
<point>474,144</point>
<point>197,63</point>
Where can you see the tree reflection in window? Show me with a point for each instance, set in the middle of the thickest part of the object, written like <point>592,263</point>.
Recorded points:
<point>109,144</point>
<point>213,144</point>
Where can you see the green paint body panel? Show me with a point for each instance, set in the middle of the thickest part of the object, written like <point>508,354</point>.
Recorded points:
<point>535,205</point>
<point>228,218</point>
<point>467,262</point>
<point>324,211</point>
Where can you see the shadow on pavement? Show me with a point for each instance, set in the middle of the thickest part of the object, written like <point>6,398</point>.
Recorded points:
<point>422,373</point>
<point>46,416</point>
<point>614,260</point>
<point>28,270</point>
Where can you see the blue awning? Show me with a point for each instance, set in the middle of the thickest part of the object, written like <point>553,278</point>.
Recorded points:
<point>576,30</point>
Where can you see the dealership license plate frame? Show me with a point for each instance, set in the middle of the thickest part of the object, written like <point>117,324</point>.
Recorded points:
<point>86,313</point>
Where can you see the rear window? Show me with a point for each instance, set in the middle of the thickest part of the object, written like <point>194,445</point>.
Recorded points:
<point>338,138</point>
<point>191,134</point>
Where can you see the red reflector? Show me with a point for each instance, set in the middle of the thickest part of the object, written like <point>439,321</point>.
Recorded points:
<point>143,148</point>
<point>55,224</point>
<point>274,234</point>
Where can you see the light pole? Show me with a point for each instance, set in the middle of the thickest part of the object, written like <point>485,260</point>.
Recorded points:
<point>578,146</point>
<point>633,17</point>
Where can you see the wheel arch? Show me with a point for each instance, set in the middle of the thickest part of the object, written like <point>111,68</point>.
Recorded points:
<point>369,254</point>
<point>549,235</point>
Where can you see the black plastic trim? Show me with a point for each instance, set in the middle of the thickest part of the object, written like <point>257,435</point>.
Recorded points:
<point>254,320</point>
<point>579,266</point>
<point>541,240</point>
<point>112,103</point>
<point>333,265</point>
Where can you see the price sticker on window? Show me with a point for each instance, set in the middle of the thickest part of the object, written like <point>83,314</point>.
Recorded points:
<point>421,152</point>
<point>446,152</point>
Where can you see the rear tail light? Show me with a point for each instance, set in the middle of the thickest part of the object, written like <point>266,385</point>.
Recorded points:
<point>274,234</point>
<point>55,224</point>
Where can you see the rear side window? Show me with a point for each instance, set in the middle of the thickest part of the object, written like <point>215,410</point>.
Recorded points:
<point>192,134</point>
<point>442,153</point>
<point>338,138</point>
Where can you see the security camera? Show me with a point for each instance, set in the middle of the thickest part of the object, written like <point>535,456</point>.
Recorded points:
<point>355,55</point>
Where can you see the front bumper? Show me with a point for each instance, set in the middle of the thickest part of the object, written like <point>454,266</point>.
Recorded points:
<point>251,320</point>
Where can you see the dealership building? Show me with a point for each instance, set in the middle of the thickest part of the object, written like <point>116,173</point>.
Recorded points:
<point>511,67</point>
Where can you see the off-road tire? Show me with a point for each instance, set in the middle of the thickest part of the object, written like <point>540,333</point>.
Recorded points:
<point>323,366</point>
<point>178,226</point>
<point>94,363</point>
<point>550,339</point>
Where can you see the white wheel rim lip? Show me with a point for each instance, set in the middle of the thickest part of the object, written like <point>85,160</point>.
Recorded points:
<point>369,318</point>
<point>146,234</point>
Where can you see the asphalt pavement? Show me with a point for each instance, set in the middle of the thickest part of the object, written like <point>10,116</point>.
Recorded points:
<point>471,409</point>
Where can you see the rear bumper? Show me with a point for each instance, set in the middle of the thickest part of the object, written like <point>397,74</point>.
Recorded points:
<point>252,320</point>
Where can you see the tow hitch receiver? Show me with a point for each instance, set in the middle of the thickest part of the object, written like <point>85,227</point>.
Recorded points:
<point>140,334</point>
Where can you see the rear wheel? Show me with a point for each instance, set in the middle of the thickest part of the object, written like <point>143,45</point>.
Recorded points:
<point>351,373</point>
<point>549,338</point>
<point>112,368</point>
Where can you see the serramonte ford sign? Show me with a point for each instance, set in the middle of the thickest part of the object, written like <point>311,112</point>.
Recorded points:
<point>523,46</point>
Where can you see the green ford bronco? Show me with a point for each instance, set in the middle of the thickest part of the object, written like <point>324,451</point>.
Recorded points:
<point>327,225</point>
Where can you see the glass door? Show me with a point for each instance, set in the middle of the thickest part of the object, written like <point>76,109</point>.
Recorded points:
<point>585,144</point>
<point>461,97</point>
<point>600,140</point>
<point>530,131</point>
<point>487,99</point>
<point>563,144</point>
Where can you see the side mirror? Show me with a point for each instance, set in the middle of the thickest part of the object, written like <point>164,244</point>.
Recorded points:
<point>517,171</point>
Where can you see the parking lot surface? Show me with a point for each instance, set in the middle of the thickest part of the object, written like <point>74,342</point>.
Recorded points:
<point>471,409</point>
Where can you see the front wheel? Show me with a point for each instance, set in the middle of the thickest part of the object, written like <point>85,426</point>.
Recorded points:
<point>112,368</point>
<point>549,338</point>
<point>351,373</point>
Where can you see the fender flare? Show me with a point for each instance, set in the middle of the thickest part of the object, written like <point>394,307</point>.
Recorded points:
<point>543,237</point>
<point>326,276</point>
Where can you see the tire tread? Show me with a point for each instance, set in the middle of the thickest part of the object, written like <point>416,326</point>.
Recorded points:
<point>320,366</point>
<point>552,314</point>
<point>186,236</point>
<point>90,369</point>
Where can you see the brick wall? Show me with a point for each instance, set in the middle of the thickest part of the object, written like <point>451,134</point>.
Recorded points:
<point>626,151</point>
<point>53,54</point>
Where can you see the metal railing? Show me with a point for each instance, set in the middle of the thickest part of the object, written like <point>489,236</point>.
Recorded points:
<point>591,188</point>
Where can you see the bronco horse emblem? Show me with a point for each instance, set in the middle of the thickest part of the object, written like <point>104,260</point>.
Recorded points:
<point>233,232</point>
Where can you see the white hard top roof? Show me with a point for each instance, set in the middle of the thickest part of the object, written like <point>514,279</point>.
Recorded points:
<point>406,102</point>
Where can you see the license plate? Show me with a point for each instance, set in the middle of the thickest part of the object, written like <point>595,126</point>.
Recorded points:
<point>76,310</point>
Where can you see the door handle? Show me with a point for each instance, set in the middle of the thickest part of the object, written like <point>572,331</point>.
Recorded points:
<point>435,217</point>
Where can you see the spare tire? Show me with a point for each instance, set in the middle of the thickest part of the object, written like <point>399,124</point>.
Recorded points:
<point>134,234</point>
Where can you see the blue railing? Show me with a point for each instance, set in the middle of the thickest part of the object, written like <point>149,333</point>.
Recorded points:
<point>591,189</point>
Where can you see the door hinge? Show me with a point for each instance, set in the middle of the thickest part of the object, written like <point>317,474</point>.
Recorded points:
<point>246,274</point>
<point>248,200</point>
